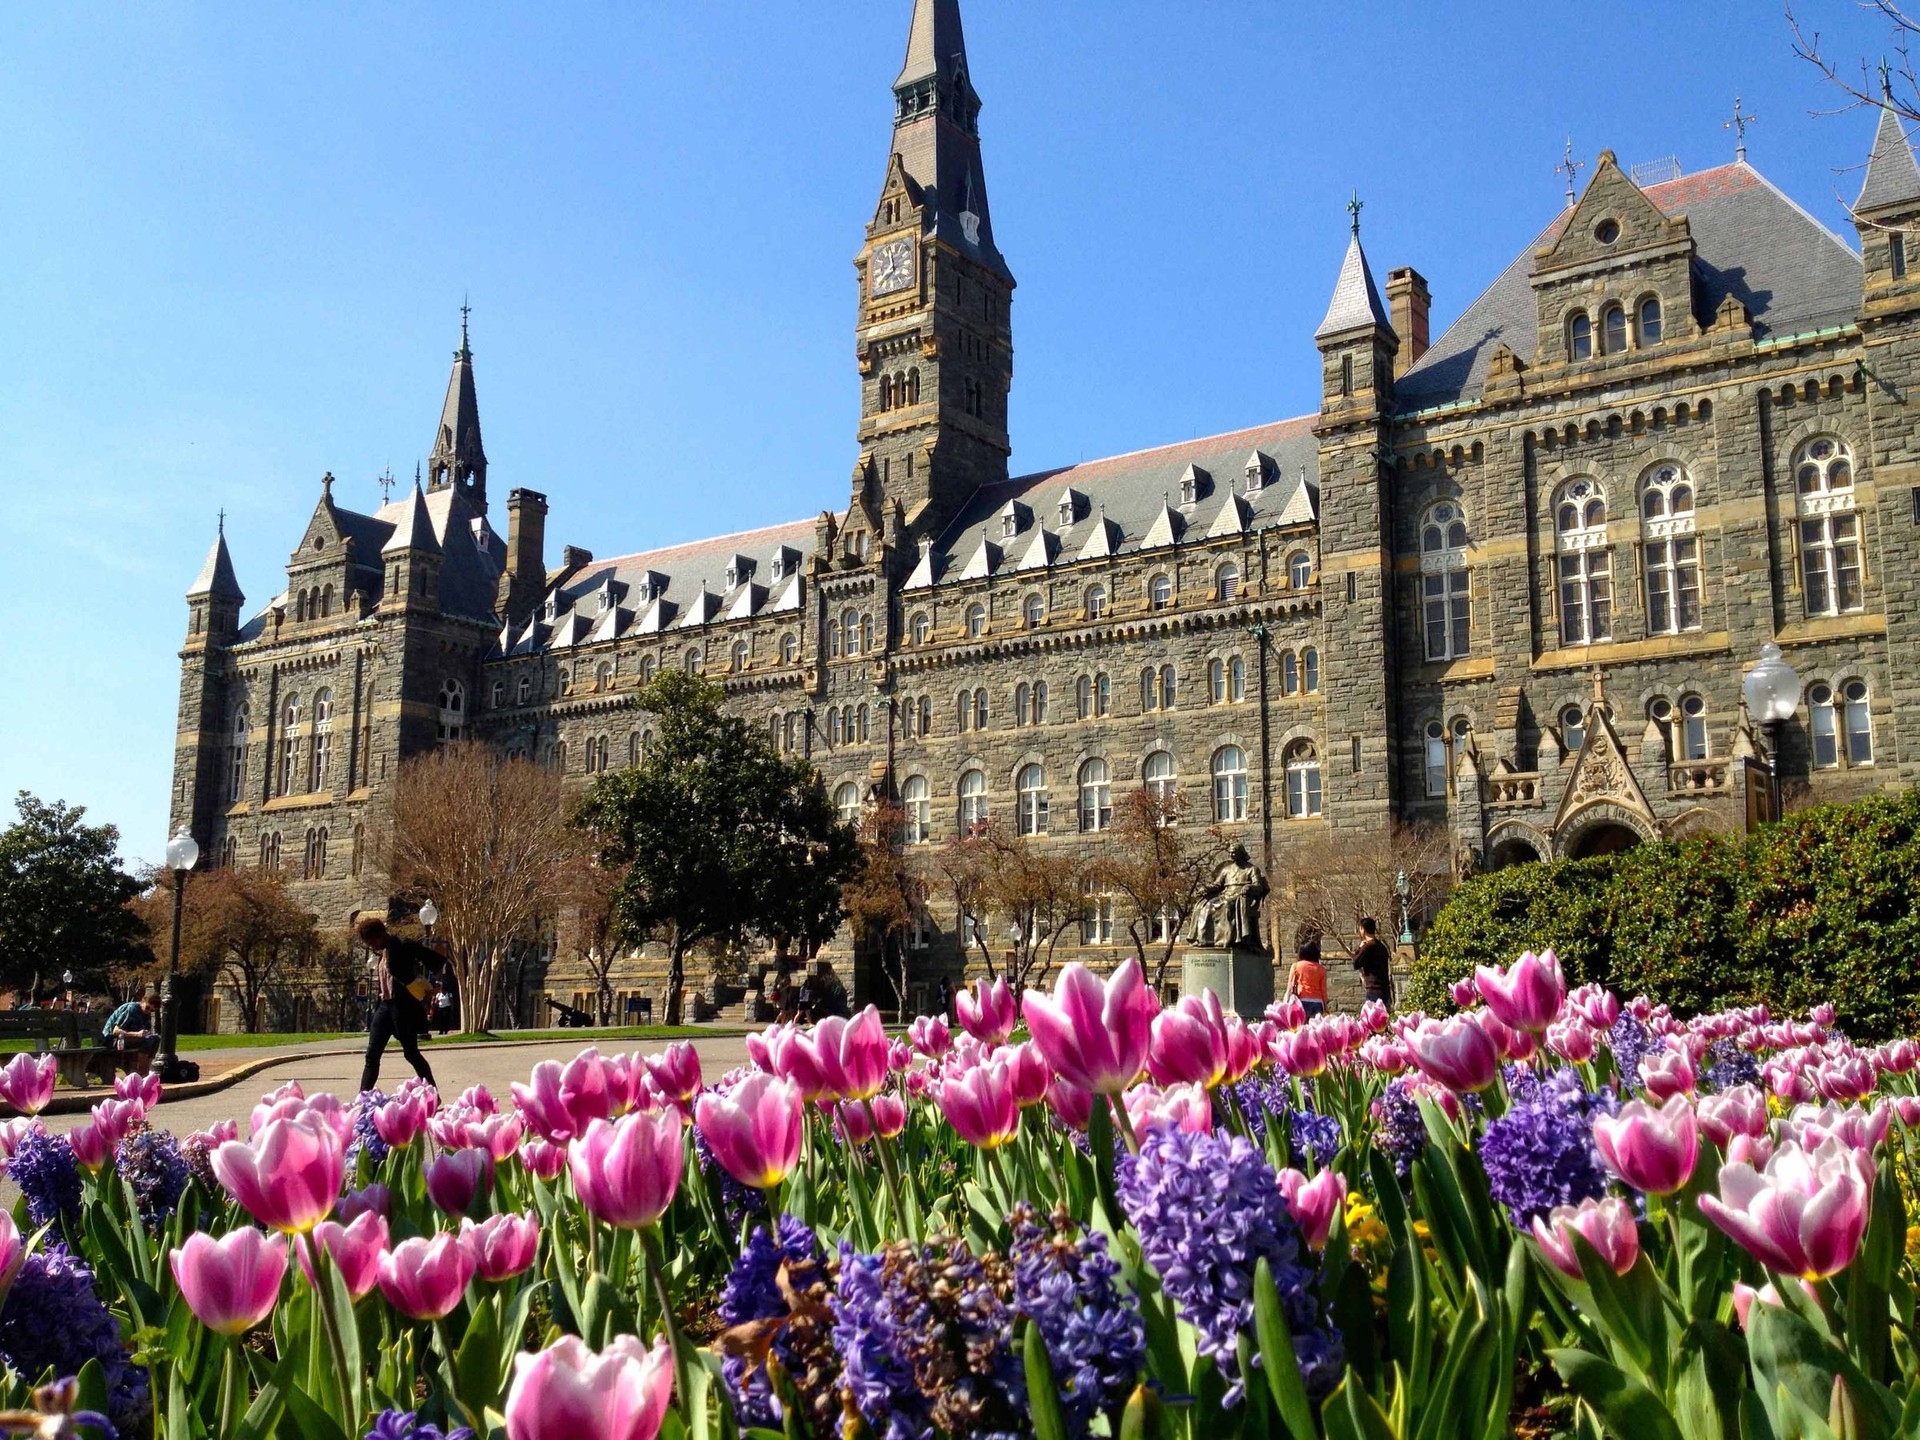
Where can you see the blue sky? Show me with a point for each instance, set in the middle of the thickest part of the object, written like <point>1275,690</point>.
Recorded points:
<point>234,244</point>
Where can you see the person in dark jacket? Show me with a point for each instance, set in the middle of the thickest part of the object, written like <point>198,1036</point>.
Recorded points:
<point>400,987</point>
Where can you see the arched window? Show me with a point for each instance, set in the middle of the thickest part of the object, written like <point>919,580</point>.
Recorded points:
<point>318,773</point>
<point>1096,796</point>
<point>1167,687</point>
<point>1289,673</point>
<point>1434,752</point>
<point>1859,723</point>
<point>1310,670</point>
<point>237,757</point>
<point>1580,336</point>
<point>1036,610</point>
<point>1693,728</point>
<point>1573,727</point>
<point>1299,570</point>
<point>1670,553</point>
<point>1613,330</point>
<point>290,775</point>
<point>1829,528</point>
<point>603,676</point>
<point>976,621</point>
<point>1649,315</point>
<point>1444,588</point>
<point>1229,784</point>
<point>1039,702</point>
<point>846,801</point>
<point>1030,793</point>
<point>1096,601</point>
<point>1303,781</point>
<point>1585,563</point>
<point>921,628</point>
<point>917,804</point>
<point>789,649</point>
<point>523,690</point>
<point>1160,592</point>
<point>1157,774</point>
<point>739,659</point>
<point>1226,581</point>
<point>973,802</point>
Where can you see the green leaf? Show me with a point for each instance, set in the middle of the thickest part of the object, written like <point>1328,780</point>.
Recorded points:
<point>1629,1408</point>
<point>1277,1359</point>
<point>1043,1391</point>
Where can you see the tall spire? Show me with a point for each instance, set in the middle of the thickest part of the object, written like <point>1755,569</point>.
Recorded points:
<point>458,460</point>
<point>936,131</point>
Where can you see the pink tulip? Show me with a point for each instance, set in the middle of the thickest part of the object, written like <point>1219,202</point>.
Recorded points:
<point>626,1171</point>
<point>1596,1005</point>
<point>1189,1044</point>
<point>1187,1108</point>
<point>754,1129</point>
<point>115,1119</point>
<point>1374,1016</point>
<point>456,1182</point>
<point>355,1249</point>
<point>502,1245</point>
<point>980,1106</point>
<point>1607,1225</point>
<point>1739,1111</point>
<point>852,1054</point>
<point>1571,1039</point>
<point>930,1036</point>
<point>1804,1214</point>
<point>1027,1070</point>
<point>1652,1150</point>
<point>676,1070</point>
<point>1526,995</point>
<point>399,1122</point>
<point>287,1176</point>
<point>425,1279</point>
<point>231,1283</point>
<point>1666,1073</point>
<point>1070,1103</point>
<point>1455,1052</point>
<point>567,1392</point>
<point>90,1147</point>
<point>1315,1203</point>
<point>543,1158</point>
<point>1094,1036</point>
<point>986,1011</point>
<point>375,1199</point>
<point>27,1081</point>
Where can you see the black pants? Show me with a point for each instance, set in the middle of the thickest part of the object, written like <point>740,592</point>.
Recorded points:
<point>391,1021</point>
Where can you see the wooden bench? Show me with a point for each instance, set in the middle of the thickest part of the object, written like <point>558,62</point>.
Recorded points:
<point>59,1033</point>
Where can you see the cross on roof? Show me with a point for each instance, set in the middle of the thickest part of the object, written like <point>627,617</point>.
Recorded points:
<point>1738,124</point>
<point>1570,168</point>
<point>1354,207</point>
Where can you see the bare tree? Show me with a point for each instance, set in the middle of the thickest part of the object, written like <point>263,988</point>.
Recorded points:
<point>1019,881</point>
<point>886,895</point>
<point>485,837</point>
<point>586,926</point>
<point>1337,877</point>
<point>1158,865</point>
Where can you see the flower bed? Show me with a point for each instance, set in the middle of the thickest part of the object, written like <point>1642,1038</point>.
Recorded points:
<point>1551,1212</point>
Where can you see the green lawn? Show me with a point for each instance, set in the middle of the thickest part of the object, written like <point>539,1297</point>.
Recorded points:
<point>591,1036</point>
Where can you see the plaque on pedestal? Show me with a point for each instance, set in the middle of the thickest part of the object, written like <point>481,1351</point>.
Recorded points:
<point>1243,979</point>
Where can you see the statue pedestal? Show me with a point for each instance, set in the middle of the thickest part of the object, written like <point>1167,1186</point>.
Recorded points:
<point>1243,979</point>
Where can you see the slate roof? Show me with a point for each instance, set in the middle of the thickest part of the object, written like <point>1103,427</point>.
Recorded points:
<point>1751,241</point>
<point>1120,503</point>
<point>1892,176</point>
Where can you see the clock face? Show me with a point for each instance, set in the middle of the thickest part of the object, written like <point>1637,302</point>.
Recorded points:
<point>891,267</point>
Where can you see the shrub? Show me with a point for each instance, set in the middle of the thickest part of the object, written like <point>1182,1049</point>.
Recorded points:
<point>1820,907</point>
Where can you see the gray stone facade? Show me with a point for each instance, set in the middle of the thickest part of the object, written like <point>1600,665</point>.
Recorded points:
<point>1507,584</point>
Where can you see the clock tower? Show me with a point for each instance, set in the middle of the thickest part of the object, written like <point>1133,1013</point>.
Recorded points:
<point>935,340</point>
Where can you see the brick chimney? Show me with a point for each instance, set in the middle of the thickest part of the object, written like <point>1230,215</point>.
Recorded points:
<point>524,580</point>
<point>1407,301</point>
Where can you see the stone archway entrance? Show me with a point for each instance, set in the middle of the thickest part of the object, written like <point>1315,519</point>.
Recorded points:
<point>1607,837</point>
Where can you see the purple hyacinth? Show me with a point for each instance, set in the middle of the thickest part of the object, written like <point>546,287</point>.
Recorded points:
<point>1540,1153</point>
<point>1208,1209</point>
<point>1064,1282</point>
<point>753,1293</point>
<point>407,1425</point>
<point>48,1176</point>
<point>926,1338</point>
<point>1399,1128</point>
<point>1629,1041</point>
<point>52,1321</point>
<point>152,1163</point>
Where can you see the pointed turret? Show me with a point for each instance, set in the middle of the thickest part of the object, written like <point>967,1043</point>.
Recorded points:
<point>458,458</point>
<point>1893,178</point>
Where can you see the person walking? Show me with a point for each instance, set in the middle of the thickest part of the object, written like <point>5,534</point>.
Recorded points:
<point>1307,981</point>
<point>400,988</point>
<point>1374,962</point>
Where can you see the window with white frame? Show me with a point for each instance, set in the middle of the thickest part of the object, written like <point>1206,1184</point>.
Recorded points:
<point>1229,784</point>
<point>973,801</point>
<point>1830,565</point>
<point>1157,775</point>
<point>1670,551</point>
<point>1303,781</point>
<point>1584,562</point>
<point>1096,797</point>
<point>916,803</point>
<point>1444,587</point>
<point>1030,796</point>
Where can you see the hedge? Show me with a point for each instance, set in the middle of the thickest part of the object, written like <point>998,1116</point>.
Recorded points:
<point>1823,906</point>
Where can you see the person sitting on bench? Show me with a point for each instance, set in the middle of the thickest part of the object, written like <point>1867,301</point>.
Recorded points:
<point>129,1032</point>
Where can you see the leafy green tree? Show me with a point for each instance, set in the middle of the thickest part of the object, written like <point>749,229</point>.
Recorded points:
<point>63,898</point>
<point>720,836</point>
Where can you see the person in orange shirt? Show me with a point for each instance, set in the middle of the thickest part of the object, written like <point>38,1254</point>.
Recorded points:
<point>1307,981</point>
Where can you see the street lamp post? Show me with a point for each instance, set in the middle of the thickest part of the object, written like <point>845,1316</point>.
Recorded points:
<point>1772,692</point>
<point>182,855</point>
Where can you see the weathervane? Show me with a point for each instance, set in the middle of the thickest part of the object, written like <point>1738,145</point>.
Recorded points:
<point>1570,168</point>
<point>1354,207</point>
<point>1738,124</point>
